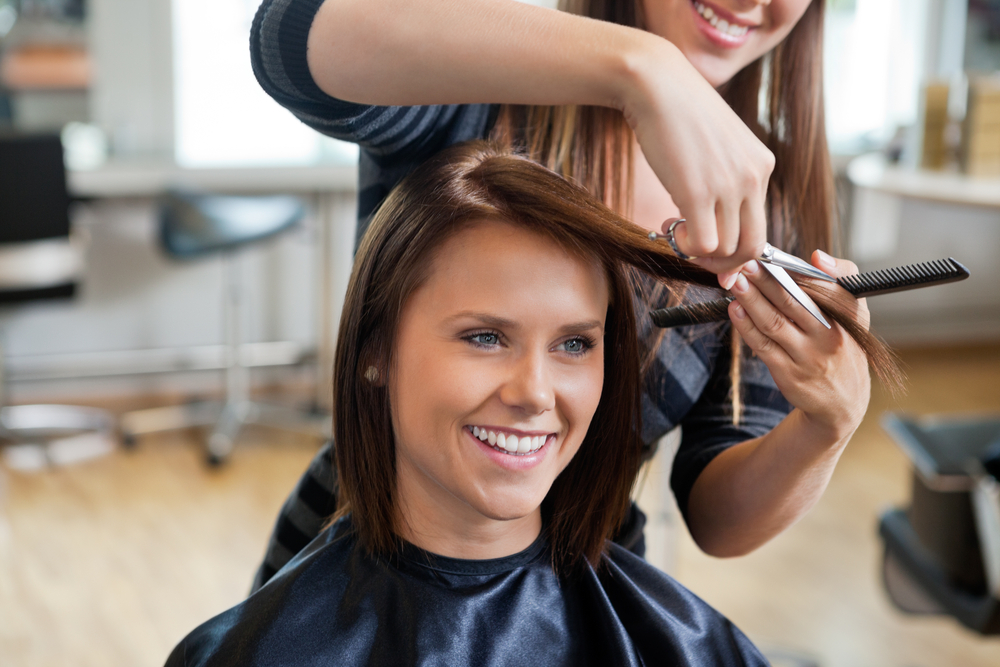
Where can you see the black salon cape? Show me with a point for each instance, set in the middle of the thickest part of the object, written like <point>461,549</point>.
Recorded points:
<point>335,605</point>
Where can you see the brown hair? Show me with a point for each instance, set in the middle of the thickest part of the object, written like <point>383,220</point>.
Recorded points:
<point>593,145</point>
<point>460,185</point>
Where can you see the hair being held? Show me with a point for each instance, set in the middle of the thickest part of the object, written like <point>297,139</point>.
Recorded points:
<point>479,181</point>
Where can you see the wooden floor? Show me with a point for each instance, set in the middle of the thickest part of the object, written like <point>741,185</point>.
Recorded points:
<point>109,563</point>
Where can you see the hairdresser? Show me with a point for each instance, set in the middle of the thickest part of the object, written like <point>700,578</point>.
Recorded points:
<point>710,111</point>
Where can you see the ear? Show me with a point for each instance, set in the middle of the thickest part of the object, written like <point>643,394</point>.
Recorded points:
<point>372,365</point>
<point>374,376</point>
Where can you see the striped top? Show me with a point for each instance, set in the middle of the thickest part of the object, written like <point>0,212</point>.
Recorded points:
<point>688,383</point>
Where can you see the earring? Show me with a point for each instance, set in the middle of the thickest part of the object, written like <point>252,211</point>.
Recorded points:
<point>372,374</point>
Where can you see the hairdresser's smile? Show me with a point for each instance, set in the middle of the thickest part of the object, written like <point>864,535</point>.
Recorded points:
<point>721,37</point>
<point>498,370</point>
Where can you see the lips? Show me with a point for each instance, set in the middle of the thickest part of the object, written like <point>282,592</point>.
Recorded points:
<point>720,26</point>
<point>509,442</point>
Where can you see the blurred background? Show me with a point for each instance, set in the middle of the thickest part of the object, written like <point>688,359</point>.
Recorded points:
<point>171,275</point>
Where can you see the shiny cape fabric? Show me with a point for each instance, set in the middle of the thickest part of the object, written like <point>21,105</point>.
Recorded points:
<point>333,604</point>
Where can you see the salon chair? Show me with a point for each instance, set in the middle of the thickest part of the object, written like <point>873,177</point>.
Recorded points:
<point>40,260</point>
<point>194,226</point>
<point>942,553</point>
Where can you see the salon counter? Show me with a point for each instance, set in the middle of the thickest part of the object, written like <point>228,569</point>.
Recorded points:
<point>145,177</point>
<point>902,215</point>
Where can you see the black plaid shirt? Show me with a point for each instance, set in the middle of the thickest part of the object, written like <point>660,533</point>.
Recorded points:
<point>688,384</point>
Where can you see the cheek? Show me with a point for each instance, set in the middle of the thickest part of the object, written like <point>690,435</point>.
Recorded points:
<point>432,392</point>
<point>582,393</point>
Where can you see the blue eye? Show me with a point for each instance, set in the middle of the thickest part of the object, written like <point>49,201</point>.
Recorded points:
<point>484,339</point>
<point>576,345</point>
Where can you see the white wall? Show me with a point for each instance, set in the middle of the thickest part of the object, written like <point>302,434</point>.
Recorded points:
<point>134,298</point>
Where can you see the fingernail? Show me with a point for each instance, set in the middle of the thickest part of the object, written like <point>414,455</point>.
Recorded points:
<point>738,311</point>
<point>826,260</point>
<point>727,281</point>
<point>741,285</point>
<point>750,267</point>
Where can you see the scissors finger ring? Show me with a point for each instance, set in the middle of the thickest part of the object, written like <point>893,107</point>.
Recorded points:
<point>673,241</point>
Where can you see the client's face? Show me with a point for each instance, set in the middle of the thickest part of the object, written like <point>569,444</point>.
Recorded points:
<point>498,371</point>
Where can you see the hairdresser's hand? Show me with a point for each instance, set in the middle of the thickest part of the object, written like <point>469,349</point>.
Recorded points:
<point>821,371</point>
<point>712,165</point>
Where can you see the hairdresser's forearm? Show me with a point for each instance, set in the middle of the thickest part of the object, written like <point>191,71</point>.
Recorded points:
<point>398,52</point>
<point>754,490</point>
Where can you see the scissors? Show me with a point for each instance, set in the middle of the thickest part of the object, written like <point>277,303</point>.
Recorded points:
<point>778,263</point>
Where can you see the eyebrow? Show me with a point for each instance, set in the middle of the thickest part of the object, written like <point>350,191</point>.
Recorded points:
<point>503,323</point>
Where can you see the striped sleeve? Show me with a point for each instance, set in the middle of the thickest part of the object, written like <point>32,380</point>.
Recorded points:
<point>278,40</point>
<point>302,516</point>
<point>707,429</point>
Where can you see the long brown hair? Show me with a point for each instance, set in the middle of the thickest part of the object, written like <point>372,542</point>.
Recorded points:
<point>457,187</point>
<point>593,145</point>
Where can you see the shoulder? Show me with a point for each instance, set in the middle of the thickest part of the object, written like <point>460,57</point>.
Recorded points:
<point>291,610</point>
<point>666,622</point>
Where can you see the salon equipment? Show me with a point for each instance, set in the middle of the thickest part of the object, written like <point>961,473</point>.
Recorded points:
<point>197,225</point>
<point>942,553</point>
<point>41,260</point>
<point>874,283</point>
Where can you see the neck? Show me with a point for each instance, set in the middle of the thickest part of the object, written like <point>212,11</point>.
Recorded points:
<point>436,521</point>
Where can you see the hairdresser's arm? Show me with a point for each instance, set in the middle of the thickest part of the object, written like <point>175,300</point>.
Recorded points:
<point>754,490</point>
<point>394,52</point>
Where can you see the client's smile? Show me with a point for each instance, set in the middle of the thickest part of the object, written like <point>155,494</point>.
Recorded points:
<point>508,441</point>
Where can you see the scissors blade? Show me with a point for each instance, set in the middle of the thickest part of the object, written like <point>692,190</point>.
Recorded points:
<point>786,281</point>
<point>772,255</point>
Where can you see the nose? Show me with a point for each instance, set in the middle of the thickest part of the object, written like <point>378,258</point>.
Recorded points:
<point>529,387</point>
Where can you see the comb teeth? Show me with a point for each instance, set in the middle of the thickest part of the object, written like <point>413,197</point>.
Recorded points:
<point>904,277</point>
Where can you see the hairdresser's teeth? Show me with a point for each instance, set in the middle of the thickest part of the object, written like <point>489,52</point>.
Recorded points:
<point>492,438</point>
<point>524,445</point>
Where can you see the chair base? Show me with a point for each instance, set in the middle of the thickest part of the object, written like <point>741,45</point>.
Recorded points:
<point>226,419</point>
<point>44,435</point>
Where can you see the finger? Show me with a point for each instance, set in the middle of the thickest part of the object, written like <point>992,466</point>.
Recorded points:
<point>752,237</point>
<point>765,347</point>
<point>839,268</point>
<point>767,320</point>
<point>780,299</point>
<point>698,235</point>
<point>753,230</point>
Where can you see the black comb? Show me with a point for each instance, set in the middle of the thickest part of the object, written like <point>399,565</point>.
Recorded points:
<point>884,281</point>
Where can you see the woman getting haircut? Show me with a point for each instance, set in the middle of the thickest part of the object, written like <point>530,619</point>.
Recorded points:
<point>488,430</point>
<point>710,110</point>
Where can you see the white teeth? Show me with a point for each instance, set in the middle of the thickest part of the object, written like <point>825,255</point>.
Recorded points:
<point>511,443</point>
<point>722,25</point>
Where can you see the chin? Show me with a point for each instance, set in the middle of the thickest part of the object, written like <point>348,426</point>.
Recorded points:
<point>717,72</point>
<point>501,508</point>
